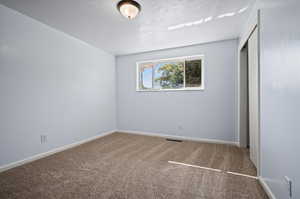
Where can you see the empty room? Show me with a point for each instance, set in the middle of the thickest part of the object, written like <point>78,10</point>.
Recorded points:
<point>149,99</point>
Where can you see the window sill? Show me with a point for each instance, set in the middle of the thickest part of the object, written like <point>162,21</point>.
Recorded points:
<point>171,90</point>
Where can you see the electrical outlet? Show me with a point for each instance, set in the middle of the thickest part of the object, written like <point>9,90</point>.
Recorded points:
<point>43,139</point>
<point>289,186</point>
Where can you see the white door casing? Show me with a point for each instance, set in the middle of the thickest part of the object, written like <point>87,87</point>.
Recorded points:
<point>253,73</point>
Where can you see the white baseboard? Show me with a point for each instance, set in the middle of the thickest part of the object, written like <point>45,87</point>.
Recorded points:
<point>266,188</point>
<point>51,152</point>
<point>215,141</point>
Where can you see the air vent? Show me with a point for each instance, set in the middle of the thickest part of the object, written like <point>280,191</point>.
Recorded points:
<point>173,140</point>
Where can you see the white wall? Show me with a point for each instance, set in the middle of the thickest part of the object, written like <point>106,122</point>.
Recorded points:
<point>280,97</point>
<point>50,83</point>
<point>209,114</point>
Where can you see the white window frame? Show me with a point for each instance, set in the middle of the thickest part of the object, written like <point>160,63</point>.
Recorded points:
<point>172,59</point>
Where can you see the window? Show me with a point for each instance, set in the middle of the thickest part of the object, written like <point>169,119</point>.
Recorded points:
<point>184,73</point>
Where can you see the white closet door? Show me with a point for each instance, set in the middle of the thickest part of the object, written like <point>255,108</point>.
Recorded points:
<point>253,97</point>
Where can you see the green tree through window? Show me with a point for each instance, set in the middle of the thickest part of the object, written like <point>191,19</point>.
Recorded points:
<point>171,75</point>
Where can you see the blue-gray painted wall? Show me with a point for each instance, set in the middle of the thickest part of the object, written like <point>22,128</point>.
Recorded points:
<point>207,114</point>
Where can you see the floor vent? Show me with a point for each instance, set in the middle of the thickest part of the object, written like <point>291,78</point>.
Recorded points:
<point>173,140</point>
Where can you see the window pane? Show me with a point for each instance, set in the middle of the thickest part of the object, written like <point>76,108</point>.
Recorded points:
<point>193,73</point>
<point>172,73</point>
<point>146,76</point>
<point>168,75</point>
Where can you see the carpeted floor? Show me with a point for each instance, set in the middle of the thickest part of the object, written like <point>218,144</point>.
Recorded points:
<point>124,166</point>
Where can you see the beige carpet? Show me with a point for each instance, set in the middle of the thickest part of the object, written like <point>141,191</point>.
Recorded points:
<point>124,166</point>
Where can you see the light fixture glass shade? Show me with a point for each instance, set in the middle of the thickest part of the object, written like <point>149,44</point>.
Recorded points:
<point>129,8</point>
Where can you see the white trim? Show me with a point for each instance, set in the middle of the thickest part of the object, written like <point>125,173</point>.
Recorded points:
<point>51,152</point>
<point>259,93</point>
<point>251,29</point>
<point>266,187</point>
<point>176,89</point>
<point>202,87</point>
<point>184,83</point>
<point>215,141</point>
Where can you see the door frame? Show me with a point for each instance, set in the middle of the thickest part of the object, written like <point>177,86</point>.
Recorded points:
<point>241,82</point>
<point>253,97</point>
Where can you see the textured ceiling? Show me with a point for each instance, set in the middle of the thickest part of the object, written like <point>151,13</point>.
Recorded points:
<point>161,24</point>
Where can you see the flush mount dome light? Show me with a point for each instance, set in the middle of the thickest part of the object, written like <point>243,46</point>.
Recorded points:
<point>129,8</point>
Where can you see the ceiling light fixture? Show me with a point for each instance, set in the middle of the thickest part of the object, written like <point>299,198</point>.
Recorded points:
<point>129,8</point>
